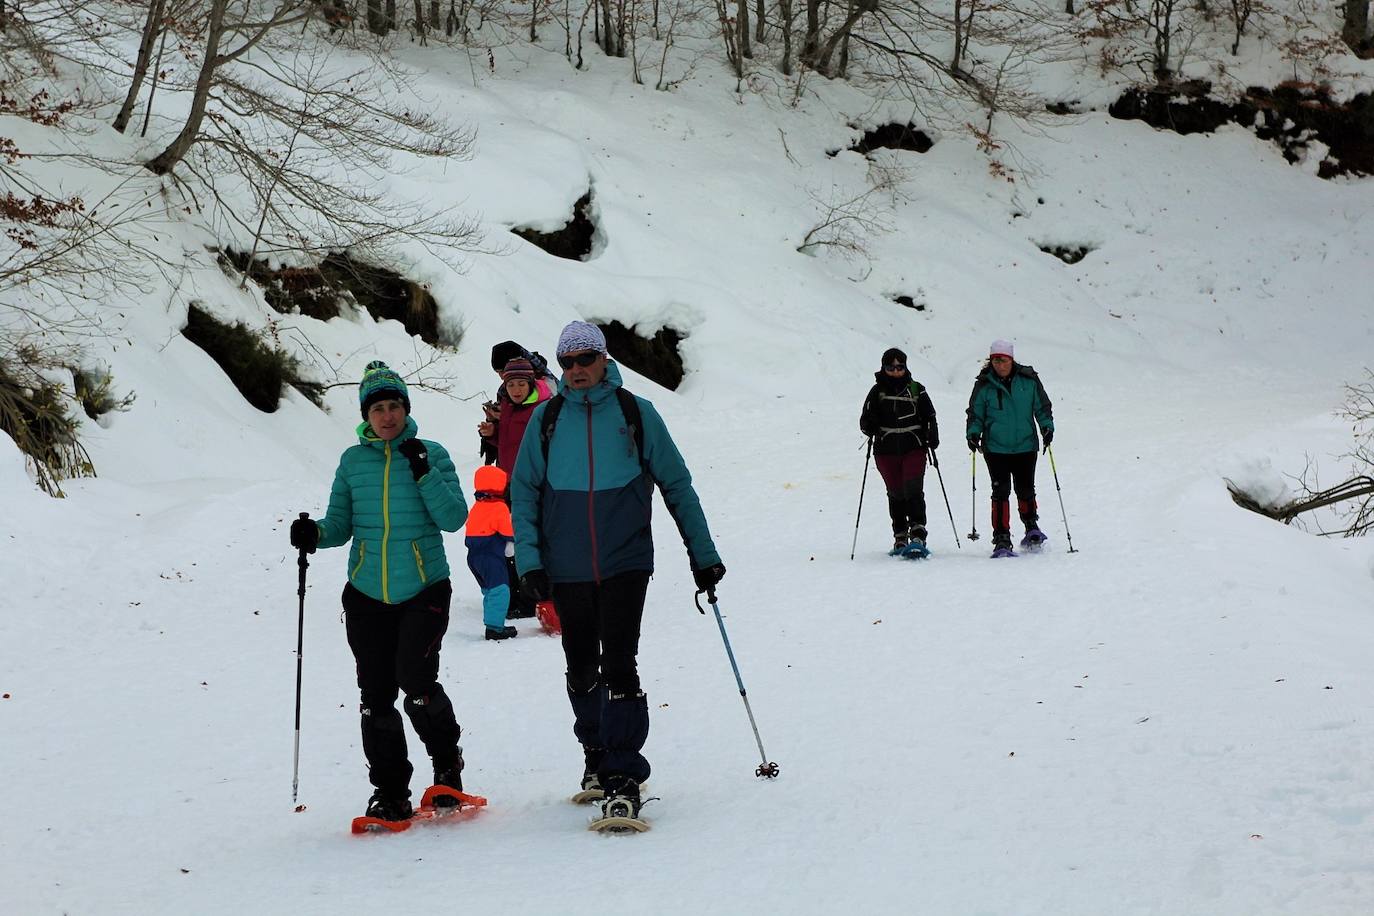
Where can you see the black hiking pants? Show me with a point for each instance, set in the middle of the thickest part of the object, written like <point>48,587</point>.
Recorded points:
<point>396,647</point>
<point>600,643</point>
<point>1008,472</point>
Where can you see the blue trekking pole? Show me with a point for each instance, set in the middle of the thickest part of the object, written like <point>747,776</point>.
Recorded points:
<point>766,768</point>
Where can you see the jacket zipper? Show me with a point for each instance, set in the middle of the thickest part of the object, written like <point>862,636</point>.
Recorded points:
<point>362,555</point>
<point>386,521</point>
<point>591,494</point>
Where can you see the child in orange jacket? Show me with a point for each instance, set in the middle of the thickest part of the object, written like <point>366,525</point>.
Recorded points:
<point>490,540</point>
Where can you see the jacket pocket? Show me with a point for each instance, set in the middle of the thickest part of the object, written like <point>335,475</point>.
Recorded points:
<point>419,562</point>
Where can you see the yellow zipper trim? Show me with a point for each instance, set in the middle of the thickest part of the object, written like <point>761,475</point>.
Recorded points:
<point>386,520</point>
<point>362,555</point>
<point>419,562</point>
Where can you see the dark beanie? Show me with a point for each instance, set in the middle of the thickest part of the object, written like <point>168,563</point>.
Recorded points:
<point>893,355</point>
<point>379,383</point>
<point>518,368</point>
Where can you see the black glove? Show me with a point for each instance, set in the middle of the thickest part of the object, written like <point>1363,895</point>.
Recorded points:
<point>417,455</point>
<point>305,534</point>
<point>932,442</point>
<point>707,578</point>
<point>1047,436</point>
<point>535,585</point>
<point>974,441</point>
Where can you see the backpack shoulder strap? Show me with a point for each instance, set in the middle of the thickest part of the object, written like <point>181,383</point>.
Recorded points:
<point>630,408</point>
<point>551,409</point>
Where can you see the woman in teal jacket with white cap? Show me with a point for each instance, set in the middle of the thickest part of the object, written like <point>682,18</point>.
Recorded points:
<point>1007,403</point>
<point>393,495</point>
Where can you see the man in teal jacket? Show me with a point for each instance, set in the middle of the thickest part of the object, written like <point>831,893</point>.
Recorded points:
<point>581,502</point>
<point>1007,403</point>
<point>393,494</point>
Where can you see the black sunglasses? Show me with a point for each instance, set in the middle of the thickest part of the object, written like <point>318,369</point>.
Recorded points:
<point>581,359</point>
<point>893,367</point>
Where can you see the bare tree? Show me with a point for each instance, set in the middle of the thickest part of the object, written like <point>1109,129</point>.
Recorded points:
<point>1154,35</point>
<point>284,135</point>
<point>243,32</point>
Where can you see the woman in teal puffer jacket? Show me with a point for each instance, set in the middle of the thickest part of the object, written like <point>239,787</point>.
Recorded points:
<point>1007,403</point>
<point>393,495</point>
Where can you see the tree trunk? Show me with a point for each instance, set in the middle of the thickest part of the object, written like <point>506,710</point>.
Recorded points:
<point>390,15</point>
<point>1355,26</point>
<point>760,20</point>
<point>1068,7</point>
<point>742,28</point>
<point>174,152</point>
<point>958,35</point>
<point>376,22</point>
<point>534,17</point>
<point>151,26</point>
<point>420,21</point>
<point>821,60</point>
<point>812,40</point>
<point>785,8</point>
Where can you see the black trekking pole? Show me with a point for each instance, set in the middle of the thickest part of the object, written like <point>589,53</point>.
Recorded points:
<point>973,499</point>
<point>766,768</point>
<point>1065,515</point>
<point>935,463</point>
<point>300,644</point>
<point>862,485</point>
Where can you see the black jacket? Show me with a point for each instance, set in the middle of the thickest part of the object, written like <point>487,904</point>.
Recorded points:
<point>899,414</point>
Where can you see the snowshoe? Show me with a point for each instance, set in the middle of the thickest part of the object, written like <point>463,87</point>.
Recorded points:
<point>1034,539</point>
<point>899,544</point>
<point>385,812</point>
<point>1002,551</point>
<point>620,810</point>
<point>916,550</point>
<point>438,803</point>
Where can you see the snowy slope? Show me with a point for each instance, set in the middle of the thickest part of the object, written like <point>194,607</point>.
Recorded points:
<point>1172,719</point>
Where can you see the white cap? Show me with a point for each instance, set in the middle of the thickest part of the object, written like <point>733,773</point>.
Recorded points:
<point>1002,348</point>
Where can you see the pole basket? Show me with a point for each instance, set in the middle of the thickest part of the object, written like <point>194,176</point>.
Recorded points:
<point>767,770</point>
<point>548,618</point>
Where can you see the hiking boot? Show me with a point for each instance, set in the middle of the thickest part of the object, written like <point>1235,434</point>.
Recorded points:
<point>899,542</point>
<point>917,533</point>
<point>590,781</point>
<point>452,777</point>
<point>1001,538</point>
<point>501,632</point>
<point>386,806</point>
<point>622,797</point>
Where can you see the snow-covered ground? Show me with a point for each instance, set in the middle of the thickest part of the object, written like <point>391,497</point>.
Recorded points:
<point>1173,719</point>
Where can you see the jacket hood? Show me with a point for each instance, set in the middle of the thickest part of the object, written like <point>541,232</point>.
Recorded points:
<point>489,479</point>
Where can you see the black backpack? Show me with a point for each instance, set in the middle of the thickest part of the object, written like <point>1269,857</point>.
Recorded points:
<point>628,406</point>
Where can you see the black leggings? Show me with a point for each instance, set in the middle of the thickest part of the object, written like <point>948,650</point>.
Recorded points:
<point>396,647</point>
